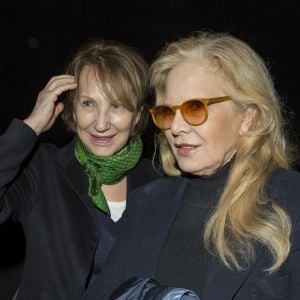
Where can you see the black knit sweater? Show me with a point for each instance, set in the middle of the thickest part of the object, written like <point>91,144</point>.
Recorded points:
<point>183,258</point>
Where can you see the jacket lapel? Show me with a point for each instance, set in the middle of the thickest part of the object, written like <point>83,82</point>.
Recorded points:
<point>224,283</point>
<point>158,219</point>
<point>221,282</point>
<point>74,173</point>
<point>83,228</point>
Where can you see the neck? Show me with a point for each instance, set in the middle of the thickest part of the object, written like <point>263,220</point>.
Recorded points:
<point>115,192</point>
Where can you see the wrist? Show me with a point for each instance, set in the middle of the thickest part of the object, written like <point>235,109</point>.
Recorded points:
<point>38,128</point>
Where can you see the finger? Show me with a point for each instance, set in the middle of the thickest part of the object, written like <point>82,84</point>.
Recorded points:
<point>52,95</point>
<point>53,81</point>
<point>60,82</point>
<point>58,90</point>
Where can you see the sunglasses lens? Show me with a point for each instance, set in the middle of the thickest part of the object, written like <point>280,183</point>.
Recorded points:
<point>194,112</point>
<point>163,116</point>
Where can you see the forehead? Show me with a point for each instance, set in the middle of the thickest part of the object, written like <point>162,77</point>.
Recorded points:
<point>191,79</point>
<point>89,75</point>
<point>91,85</point>
<point>93,82</point>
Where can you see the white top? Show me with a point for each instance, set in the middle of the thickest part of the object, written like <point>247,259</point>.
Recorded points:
<point>116,209</point>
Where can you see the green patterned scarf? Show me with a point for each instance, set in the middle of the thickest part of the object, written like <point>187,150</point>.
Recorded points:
<point>107,169</point>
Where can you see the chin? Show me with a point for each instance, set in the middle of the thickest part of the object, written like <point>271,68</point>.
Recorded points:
<point>188,169</point>
<point>198,171</point>
<point>102,152</point>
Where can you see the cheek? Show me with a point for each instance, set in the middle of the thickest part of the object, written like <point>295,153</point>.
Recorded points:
<point>223,135</point>
<point>83,119</point>
<point>219,134</point>
<point>122,122</point>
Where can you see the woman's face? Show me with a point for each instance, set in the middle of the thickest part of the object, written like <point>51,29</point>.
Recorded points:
<point>202,149</point>
<point>103,127</point>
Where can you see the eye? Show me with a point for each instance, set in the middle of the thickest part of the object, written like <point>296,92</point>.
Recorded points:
<point>117,107</point>
<point>87,103</point>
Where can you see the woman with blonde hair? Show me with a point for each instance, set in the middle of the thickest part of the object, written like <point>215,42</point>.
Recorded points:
<point>225,223</point>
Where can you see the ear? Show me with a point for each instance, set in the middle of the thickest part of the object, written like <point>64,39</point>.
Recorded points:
<point>74,115</point>
<point>248,119</point>
<point>137,117</point>
<point>74,105</point>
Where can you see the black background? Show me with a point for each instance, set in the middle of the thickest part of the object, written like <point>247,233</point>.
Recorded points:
<point>38,37</point>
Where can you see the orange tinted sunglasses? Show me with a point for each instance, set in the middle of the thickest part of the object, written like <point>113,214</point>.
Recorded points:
<point>193,111</point>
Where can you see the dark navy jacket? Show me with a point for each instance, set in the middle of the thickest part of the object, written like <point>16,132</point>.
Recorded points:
<point>146,224</point>
<point>46,191</point>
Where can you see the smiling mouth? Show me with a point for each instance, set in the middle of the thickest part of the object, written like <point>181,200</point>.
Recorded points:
<point>101,140</point>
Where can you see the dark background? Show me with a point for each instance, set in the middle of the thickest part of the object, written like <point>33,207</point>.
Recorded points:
<point>38,37</point>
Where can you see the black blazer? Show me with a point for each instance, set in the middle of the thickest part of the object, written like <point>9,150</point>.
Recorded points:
<point>152,210</point>
<point>46,190</point>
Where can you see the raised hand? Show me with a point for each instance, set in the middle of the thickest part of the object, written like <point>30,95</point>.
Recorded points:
<point>47,108</point>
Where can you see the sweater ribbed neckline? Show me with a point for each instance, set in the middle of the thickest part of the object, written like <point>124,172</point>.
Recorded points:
<point>206,190</point>
<point>218,175</point>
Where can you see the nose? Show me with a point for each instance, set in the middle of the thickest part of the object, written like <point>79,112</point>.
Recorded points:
<point>179,125</point>
<point>102,120</point>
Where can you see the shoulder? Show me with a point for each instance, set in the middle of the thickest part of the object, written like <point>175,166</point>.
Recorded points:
<point>50,154</point>
<point>159,197</point>
<point>146,167</point>
<point>284,182</point>
<point>282,174</point>
<point>161,184</point>
<point>283,187</point>
<point>158,188</point>
<point>143,173</point>
<point>46,151</point>
<point>21,139</point>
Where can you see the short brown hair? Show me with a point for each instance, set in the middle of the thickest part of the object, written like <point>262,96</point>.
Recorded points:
<point>123,74</point>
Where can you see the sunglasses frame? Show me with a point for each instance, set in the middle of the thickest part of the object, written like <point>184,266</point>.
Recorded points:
<point>205,103</point>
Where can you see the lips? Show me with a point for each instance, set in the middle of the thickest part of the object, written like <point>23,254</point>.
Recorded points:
<point>101,140</point>
<point>185,149</point>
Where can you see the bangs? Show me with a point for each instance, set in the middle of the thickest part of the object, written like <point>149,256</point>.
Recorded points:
<point>115,86</point>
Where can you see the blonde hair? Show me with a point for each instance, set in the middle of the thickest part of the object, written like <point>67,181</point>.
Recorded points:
<point>244,214</point>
